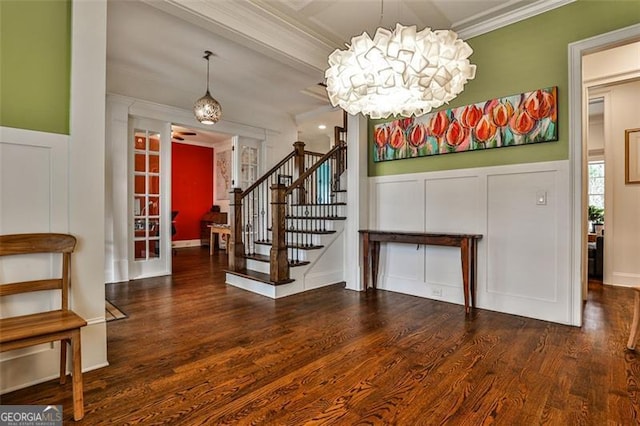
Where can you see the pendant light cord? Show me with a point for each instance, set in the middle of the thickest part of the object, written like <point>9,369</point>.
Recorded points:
<point>206,56</point>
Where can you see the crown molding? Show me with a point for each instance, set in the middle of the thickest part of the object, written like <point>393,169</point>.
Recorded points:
<point>259,26</point>
<point>254,26</point>
<point>468,31</point>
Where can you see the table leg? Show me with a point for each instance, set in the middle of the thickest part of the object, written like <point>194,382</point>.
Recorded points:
<point>374,264</point>
<point>472,270</point>
<point>211,240</point>
<point>365,260</point>
<point>464,254</point>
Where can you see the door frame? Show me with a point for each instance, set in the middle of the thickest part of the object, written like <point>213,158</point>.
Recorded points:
<point>161,265</point>
<point>578,108</point>
<point>117,214</point>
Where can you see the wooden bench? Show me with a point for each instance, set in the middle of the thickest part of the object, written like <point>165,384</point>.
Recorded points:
<point>59,325</point>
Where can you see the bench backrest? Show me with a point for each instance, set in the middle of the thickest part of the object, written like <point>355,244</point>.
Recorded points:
<point>20,244</point>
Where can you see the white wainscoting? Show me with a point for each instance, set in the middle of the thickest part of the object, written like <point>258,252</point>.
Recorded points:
<point>33,173</point>
<point>524,255</point>
<point>34,197</point>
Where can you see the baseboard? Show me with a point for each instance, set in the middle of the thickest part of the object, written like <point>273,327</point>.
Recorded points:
<point>185,243</point>
<point>51,377</point>
<point>322,279</point>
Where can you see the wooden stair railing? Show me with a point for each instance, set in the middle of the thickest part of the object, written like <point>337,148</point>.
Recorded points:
<point>250,213</point>
<point>315,177</point>
<point>315,188</point>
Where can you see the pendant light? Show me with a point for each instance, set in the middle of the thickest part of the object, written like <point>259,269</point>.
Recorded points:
<point>206,109</point>
<point>401,72</point>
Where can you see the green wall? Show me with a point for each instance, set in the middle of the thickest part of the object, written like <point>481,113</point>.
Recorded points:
<point>35,69</point>
<point>521,57</point>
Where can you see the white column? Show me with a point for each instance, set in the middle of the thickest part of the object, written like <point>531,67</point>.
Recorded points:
<point>357,199</point>
<point>87,172</point>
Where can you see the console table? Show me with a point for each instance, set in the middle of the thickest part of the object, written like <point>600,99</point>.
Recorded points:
<point>468,250</point>
<point>218,229</point>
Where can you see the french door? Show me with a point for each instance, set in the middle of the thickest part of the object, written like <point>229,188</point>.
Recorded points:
<point>149,198</point>
<point>247,168</point>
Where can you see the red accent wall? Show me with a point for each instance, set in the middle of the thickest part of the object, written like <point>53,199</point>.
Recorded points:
<point>191,187</point>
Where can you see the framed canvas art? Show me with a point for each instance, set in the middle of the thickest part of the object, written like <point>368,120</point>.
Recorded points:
<point>525,118</point>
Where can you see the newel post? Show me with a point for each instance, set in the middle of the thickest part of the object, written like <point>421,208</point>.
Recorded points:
<point>298,148</point>
<point>237,261</point>
<point>278,257</point>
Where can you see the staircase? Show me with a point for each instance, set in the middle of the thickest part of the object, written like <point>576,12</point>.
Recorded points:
<point>287,227</point>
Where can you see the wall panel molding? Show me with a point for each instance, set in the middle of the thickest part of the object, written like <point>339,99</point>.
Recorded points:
<point>523,258</point>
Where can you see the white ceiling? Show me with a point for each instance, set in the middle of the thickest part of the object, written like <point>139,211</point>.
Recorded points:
<point>269,55</point>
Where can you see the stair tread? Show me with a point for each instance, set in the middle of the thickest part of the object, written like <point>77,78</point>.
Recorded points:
<point>267,258</point>
<point>317,217</point>
<point>307,231</point>
<point>258,276</point>
<point>320,204</point>
<point>298,246</point>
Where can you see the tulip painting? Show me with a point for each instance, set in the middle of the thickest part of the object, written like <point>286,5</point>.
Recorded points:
<point>522,119</point>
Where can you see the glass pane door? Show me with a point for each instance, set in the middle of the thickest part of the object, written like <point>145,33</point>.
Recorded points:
<point>247,169</point>
<point>248,165</point>
<point>146,195</point>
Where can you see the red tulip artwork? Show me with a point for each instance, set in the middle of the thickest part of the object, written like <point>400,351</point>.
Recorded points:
<point>485,130</point>
<point>525,118</point>
<point>539,104</point>
<point>522,123</point>
<point>381,136</point>
<point>501,113</point>
<point>456,136</point>
<point>470,116</point>
<point>439,123</point>
<point>397,140</point>
<point>417,137</point>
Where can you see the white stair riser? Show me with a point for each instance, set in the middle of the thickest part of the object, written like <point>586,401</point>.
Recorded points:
<point>263,249</point>
<point>256,265</point>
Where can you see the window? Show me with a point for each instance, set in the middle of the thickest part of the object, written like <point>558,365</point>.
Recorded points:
<point>596,184</point>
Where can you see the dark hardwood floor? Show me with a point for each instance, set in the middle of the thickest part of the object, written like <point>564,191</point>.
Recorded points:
<point>194,351</point>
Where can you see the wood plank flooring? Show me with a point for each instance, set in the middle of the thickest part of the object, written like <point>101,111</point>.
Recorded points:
<point>194,351</point>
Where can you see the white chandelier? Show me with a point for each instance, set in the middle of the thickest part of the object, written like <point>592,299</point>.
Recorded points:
<point>399,72</point>
<point>207,109</point>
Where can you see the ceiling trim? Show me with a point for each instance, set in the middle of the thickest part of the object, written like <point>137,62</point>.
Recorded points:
<point>258,28</point>
<point>468,31</point>
<point>256,25</point>
<point>185,118</point>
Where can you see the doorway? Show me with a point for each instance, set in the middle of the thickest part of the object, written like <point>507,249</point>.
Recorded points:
<point>199,193</point>
<point>578,87</point>
<point>611,83</point>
